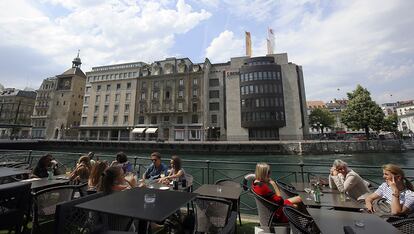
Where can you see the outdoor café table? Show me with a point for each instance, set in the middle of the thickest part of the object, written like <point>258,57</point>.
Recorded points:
<point>9,163</point>
<point>226,192</point>
<point>300,187</point>
<point>331,200</point>
<point>8,171</point>
<point>131,203</point>
<point>333,221</point>
<point>43,183</point>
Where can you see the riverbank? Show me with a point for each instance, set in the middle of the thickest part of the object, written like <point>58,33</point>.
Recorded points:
<point>217,147</point>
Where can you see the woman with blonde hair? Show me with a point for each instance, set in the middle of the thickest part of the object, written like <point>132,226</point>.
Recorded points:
<point>82,170</point>
<point>261,187</point>
<point>96,174</point>
<point>397,190</point>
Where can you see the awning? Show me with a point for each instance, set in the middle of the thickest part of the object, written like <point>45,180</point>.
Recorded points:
<point>138,130</point>
<point>151,130</point>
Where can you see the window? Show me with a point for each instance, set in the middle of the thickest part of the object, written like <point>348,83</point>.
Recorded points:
<point>115,119</point>
<point>213,118</point>
<point>214,106</point>
<point>105,120</point>
<point>95,120</point>
<point>96,109</point>
<point>194,135</point>
<point>180,93</point>
<point>167,95</point>
<point>156,84</point>
<point>88,89</point>
<point>85,110</point>
<point>214,82</point>
<point>106,108</point>
<point>128,97</point>
<point>98,88</point>
<point>166,118</point>
<point>107,98</point>
<point>126,107</point>
<point>108,87</point>
<point>126,119</point>
<point>129,84</point>
<point>116,108</point>
<point>141,119</point>
<point>194,119</point>
<point>195,92</point>
<point>180,106</point>
<point>179,134</point>
<point>142,96</point>
<point>117,97</point>
<point>194,107</point>
<point>84,120</point>
<point>144,85</point>
<point>86,100</point>
<point>181,82</point>
<point>154,120</point>
<point>155,95</point>
<point>118,86</point>
<point>180,120</point>
<point>214,94</point>
<point>97,98</point>
<point>195,81</point>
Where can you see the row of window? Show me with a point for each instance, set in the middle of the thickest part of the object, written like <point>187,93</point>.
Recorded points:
<point>262,115</point>
<point>141,119</point>
<point>167,96</point>
<point>259,63</point>
<point>262,102</point>
<point>113,76</point>
<point>108,98</point>
<point>260,75</point>
<point>263,134</point>
<point>261,88</point>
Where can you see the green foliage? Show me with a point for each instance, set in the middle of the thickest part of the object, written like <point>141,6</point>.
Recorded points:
<point>362,112</point>
<point>321,118</point>
<point>390,123</point>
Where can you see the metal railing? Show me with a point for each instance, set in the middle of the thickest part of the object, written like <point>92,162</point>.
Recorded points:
<point>209,171</point>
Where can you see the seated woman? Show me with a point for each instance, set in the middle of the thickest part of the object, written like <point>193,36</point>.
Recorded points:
<point>261,187</point>
<point>96,174</point>
<point>122,161</point>
<point>176,172</point>
<point>396,189</point>
<point>82,170</point>
<point>346,180</point>
<point>113,180</point>
<point>44,165</point>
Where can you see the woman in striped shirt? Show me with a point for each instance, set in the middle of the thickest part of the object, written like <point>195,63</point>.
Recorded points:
<point>397,190</point>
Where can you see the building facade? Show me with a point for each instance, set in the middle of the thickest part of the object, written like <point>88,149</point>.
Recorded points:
<point>260,98</point>
<point>16,107</point>
<point>405,113</point>
<point>58,108</point>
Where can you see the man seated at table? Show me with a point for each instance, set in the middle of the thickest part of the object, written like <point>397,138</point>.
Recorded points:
<point>156,168</point>
<point>346,180</point>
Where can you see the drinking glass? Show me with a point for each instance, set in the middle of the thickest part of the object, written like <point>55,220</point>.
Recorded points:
<point>342,196</point>
<point>359,223</point>
<point>149,197</point>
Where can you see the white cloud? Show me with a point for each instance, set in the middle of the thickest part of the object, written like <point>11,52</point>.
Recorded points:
<point>105,32</point>
<point>225,46</point>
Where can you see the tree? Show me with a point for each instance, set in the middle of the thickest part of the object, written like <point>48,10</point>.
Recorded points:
<point>362,112</point>
<point>321,118</point>
<point>390,123</point>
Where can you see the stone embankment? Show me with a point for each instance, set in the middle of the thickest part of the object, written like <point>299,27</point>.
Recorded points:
<point>216,147</point>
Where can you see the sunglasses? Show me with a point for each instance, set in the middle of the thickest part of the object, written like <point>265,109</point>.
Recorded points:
<point>154,160</point>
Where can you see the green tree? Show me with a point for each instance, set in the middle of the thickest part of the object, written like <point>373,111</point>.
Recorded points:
<point>390,123</point>
<point>362,112</point>
<point>321,118</point>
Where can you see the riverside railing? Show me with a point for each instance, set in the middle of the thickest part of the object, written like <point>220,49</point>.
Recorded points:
<point>209,171</point>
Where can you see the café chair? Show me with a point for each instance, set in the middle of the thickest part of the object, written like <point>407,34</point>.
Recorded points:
<point>266,210</point>
<point>45,201</point>
<point>214,215</point>
<point>300,222</point>
<point>286,189</point>
<point>405,225</point>
<point>247,180</point>
<point>14,205</point>
<point>231,183</point>
<point>190,180</point>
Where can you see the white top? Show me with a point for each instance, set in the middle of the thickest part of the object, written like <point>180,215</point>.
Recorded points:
<point>353,184</point>
<point>406,196</point>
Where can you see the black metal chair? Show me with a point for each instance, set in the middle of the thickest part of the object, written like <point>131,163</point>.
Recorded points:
<point>45,201</point>
<point>406,225</point>
<point>214,215</point>
<point>286,189</point>
<point>14,205</point>
<point>300,222</point>
<point>231,183</point>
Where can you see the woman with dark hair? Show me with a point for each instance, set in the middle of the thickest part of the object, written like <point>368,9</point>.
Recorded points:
<point>113,180</point>
<point>43,166</point>
<point>96,174</point>
<point>122,161</point>
<point>397,190</point>
<point>82,170</point>
<point>176,172</point>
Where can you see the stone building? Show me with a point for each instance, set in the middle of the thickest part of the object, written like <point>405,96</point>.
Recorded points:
<point>16,107</point>
<point>260,98</point>
<point>58,109</point>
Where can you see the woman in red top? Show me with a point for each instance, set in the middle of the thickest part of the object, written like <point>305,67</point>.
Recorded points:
<point>261,187</point>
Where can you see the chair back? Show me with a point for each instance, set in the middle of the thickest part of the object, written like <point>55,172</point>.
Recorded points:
<point>45,201</point>
<point>248,178</point>
<point>406,225</point>
<point>70,219</point>
<point>300,222</point>
<point>287,190</point>
<point>14,203</point>
<point>265,208</point>
<point>212,214</point>
<point>190,180</point>
<point>228,182</point>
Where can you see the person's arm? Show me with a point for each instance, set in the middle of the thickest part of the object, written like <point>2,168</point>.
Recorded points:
<point>369,200</point>
<point>396,207</point>
<point>146,173</point>
<point>173,176</point>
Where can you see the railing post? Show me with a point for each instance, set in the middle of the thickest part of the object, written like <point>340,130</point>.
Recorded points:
<point>208,171</point>
<point>135,162</point>
<point>29,157</point>
<point>301,164</point>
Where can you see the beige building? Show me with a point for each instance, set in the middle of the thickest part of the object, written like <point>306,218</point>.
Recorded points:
<point>59,104</point>
<point>16,107</point>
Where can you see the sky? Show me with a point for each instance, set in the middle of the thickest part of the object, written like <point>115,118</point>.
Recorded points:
<point>338,43</point>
